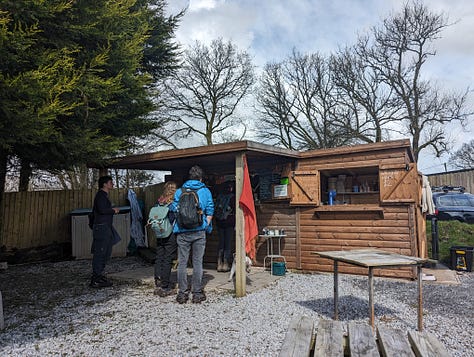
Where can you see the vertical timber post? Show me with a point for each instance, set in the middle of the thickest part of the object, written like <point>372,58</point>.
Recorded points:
<point>240,273</point>
<point>2,322</point>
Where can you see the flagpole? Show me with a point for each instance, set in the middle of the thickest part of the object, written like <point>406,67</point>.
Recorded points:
<point>240,273</point>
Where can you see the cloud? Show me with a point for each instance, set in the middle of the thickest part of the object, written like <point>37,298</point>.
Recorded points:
<point>270,29</point>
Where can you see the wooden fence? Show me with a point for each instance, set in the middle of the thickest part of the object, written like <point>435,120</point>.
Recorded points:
<point>39,218</point>
<point>454,178</point>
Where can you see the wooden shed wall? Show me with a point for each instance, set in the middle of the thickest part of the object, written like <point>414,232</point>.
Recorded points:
<point>391,226</point>
<point>392,233</point>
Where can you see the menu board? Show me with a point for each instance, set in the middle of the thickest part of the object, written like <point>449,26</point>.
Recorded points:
<point>266,180</point>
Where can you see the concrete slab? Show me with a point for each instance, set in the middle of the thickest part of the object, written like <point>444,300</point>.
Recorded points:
<point>442,275</point>
<point>257,279</point>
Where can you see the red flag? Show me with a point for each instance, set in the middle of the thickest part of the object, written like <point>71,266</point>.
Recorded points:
<point>250,218</point>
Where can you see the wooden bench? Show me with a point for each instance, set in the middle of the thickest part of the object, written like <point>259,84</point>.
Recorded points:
<point>328,339</point>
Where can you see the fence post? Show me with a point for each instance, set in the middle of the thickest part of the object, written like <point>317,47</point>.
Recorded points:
<point>434,238</point>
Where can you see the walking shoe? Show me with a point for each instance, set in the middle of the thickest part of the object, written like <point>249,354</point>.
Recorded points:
<point>100,283</point>
<point>182,298</point>
<point>157,281</point>
<point>198,298</point>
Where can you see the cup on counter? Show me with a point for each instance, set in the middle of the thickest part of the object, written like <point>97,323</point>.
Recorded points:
<point>355,188</point>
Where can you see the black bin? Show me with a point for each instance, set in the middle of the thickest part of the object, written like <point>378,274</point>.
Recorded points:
<point>461,258</point>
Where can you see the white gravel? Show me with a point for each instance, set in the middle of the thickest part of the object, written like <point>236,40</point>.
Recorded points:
<point>69,319</point>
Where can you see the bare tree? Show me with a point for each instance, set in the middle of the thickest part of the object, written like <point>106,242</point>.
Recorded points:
<point>402,45</point>
<point>464,157</point>
<point>369,102</point>
<point>298,104</point>
<point>202,96</point>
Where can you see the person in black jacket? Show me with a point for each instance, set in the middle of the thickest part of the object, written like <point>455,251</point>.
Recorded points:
<point>104,235</point>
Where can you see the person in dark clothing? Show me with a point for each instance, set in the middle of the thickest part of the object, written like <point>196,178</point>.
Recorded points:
<point>165,248</point>
<point>225,221</point>
<point>103,233</point>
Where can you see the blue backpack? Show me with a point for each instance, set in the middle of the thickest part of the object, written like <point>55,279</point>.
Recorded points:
<point>159,221</point>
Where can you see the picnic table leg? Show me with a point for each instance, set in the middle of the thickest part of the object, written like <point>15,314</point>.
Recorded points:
<point>371,297</point>
<point>336,295</point>
<point>420,298</point>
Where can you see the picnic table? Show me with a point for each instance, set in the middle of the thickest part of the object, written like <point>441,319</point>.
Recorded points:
<point>374,259</point>
<point>329,338</point>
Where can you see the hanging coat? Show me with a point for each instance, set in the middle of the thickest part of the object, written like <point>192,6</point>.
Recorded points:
<point>136,225</point>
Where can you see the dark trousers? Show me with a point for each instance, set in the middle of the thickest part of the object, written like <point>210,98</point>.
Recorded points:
<point>225,242</point>
<point>101,248</point>
<point>165,253</point>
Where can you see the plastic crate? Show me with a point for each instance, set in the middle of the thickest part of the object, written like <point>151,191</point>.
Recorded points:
<point>461,258</point>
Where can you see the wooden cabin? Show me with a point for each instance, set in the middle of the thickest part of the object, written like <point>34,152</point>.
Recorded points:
<point>376,204</point>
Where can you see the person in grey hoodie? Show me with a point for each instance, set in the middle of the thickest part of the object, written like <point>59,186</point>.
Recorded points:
<point>192,238</point>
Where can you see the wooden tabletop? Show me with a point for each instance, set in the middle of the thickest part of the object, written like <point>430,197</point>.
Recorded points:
<point>371,257</point>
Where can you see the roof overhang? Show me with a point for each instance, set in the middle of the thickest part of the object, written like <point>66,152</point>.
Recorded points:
<point>217,158</point>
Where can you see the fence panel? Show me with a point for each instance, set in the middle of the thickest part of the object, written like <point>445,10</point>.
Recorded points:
<point>456,178</point>
<point>38,218</point>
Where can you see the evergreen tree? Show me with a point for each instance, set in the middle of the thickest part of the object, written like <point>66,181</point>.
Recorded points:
<point>80,78</point>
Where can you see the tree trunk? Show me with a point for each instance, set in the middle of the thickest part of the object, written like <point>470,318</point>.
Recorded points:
<point>3,175</point>
<point>25,174</point>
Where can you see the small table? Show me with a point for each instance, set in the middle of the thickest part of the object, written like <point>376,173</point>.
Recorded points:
<point>374,258</point>
<point>271,254</point>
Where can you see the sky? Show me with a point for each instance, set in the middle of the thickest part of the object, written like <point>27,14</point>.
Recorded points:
<point>270,29</point>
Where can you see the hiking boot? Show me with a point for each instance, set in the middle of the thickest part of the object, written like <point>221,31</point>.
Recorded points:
<point>100,283</point>
<point>182,298</point>
<point>198,298</point>
<point>166,292</point>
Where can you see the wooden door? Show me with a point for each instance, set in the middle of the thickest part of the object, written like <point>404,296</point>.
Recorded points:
<point>305,188</point>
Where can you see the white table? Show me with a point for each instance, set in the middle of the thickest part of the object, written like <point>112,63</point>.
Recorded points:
<point>271,253</point>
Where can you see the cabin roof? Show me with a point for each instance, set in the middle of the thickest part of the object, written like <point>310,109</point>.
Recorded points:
<point>220,158</point>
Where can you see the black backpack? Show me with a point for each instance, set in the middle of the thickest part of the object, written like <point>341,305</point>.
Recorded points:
<point>223,208</point>
<point>189,214</point>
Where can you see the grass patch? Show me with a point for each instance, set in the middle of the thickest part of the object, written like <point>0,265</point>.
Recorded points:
<point>450,233</point>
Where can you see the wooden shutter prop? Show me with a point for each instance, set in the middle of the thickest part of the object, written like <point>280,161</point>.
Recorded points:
<point>399,184</point>
<point>305,188</point>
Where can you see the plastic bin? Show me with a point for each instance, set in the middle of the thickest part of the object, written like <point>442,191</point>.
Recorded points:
<point>81,234</point>
<point>461,258</point>
<point>278,268</point>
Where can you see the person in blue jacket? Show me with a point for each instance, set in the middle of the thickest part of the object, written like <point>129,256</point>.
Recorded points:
<point>193,238</point>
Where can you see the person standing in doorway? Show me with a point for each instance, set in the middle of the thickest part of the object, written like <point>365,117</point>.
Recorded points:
<point>165,247</point>
<point>225,221</point>
<point>103,234</point>
<point>194,209</point>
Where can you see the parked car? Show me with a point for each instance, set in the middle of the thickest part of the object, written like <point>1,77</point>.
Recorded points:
<point>452,203</point>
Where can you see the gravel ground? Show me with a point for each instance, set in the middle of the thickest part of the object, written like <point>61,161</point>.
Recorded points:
<point>49,310</point>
